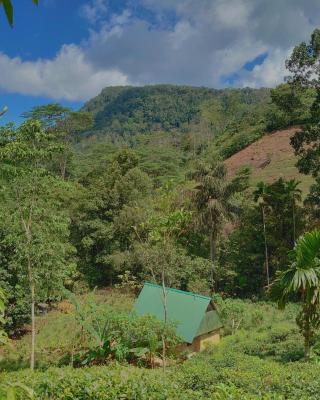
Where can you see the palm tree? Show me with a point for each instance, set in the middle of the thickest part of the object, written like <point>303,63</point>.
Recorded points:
<point>294,194</point>
<point>303,279</point>
<point>213,200</point>
<point>260,197</point>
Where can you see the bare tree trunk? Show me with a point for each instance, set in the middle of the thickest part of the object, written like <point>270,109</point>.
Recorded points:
<point>307,347</point>
<point>307,335</point>
<point>33,327</point>
<point>165,309</point>
<point>265,245</point>
<point>27,224</point>
<point>212,241</point>
<point>294,222</point>
<point>63,168</point>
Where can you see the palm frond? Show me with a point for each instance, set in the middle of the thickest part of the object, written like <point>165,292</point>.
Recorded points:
<point>303,276</point>
<point>307,250</point>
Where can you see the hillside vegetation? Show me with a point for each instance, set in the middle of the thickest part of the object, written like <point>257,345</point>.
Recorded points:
<point>170,126</point>
<point>260,356</point>
<point>131,110</point>
<point>189,121</point>
<point>135,187</point>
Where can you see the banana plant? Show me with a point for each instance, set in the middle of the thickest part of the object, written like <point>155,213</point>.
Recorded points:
<point>8,9</point>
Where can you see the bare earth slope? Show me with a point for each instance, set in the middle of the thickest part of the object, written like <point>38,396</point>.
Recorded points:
<point>270,158</point>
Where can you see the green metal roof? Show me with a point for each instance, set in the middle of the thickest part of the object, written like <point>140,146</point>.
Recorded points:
<point>209,323</point>
<point>187,310</point>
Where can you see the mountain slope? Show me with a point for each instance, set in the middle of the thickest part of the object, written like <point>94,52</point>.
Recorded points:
<point>269,158</point>
<point>170,126</point>
<point>134,110</point>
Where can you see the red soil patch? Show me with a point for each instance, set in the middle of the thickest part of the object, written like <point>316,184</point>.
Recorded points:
<point>272,148</point>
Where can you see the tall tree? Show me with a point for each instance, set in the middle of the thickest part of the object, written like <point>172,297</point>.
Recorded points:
<point>312,204</point>
<point>109,201</point>
<point>65,125</point>
<point>214,202</point>
<point>303,279</point>
<point>34,212</point>
<point>304,67</point>
<point>294,194</point>
<point>260,197</point>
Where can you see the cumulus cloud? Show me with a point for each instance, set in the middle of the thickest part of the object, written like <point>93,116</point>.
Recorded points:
<point>94,10</point>
<point>269,73</point>
<point>68,76</point>
<point>169,41</point>
<point>207,41</point>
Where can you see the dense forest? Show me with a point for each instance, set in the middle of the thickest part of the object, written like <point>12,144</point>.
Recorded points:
<point>133,188</point>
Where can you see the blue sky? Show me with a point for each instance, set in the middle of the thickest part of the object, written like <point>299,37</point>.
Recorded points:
<point>68,50</point>
<point>39,32</point>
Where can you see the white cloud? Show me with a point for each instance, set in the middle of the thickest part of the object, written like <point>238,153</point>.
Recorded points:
<point>68,76</point>
<point>183,42</point>
<point>208,40</point>
<point>269,73</point>
<point>94,11</point>
<point>233,14</point>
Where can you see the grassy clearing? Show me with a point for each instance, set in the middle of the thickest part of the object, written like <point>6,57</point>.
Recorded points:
<point>259,357</point>
<point>57,333</point>
<point>283,168</point>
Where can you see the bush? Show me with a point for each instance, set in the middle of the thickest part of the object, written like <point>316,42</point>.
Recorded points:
<point>104,383</point>
<point>250,375</point>
<point>106,334</point>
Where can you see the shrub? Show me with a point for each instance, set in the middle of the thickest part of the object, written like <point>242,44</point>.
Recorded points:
<point>103,383</point>
<point>109,334</point>
<point>253,377</point>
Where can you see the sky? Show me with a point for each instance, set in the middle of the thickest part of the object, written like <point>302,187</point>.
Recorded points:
<point>67,51</point>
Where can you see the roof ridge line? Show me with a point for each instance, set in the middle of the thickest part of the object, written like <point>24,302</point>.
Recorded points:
<point>179,291</point>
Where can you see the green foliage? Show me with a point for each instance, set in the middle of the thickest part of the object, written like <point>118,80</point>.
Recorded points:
<point>304,78</point>
<point>63,125</point>
<point>15,391</point>
<point>34,224</point>
<point>260,360</point>
<point>129,110</point>
<point>106,334</point>
<point>306,144</point>
<point>292,106</point>
<point>303,279</point>
<point>243,254</point>
<point>106,213</point>
<point>3,335</point>
<point>182,271</point>
<point>312,203</point>
<point>168,125</point>
<point>214,203</point>
<point>252,377</point>
<point>105,383</point>
<point>238,141</point>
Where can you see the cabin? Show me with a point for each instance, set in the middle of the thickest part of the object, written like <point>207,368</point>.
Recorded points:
<point>195,316</point>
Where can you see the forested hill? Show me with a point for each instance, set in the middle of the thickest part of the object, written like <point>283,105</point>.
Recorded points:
<point>130,110</point>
